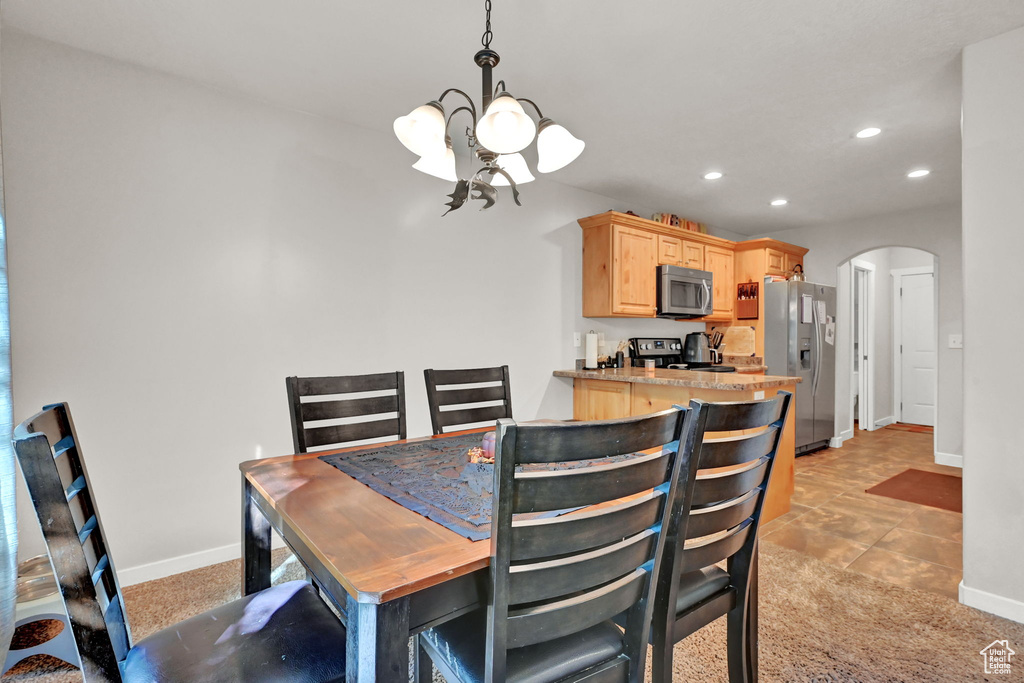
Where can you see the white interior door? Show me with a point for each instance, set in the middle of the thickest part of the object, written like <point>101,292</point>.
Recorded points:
<point>918,353</point>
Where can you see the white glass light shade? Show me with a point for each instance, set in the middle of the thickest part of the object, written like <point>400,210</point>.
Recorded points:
<point>440,165</point>
<point>505,128</point>
<point>556,147</point>
<point>423,130</point>
<point>515,166</point>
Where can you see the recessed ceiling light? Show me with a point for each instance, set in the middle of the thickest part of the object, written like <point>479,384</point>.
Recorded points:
<point>713,175</point>
<point>919,173</point>
<point>780,202</point>
<point>869,132</point>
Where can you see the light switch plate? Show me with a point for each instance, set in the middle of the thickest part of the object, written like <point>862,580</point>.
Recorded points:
<point>956,341</point>
<point>576,340</point>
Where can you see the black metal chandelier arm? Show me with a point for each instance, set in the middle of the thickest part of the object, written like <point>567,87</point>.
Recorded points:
<point>532,104</point>
<point>456,111</point>
<point>472,107</point>
<point>499,88</point>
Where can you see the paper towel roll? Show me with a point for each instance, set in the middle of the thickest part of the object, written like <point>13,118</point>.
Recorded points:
<point>590,361</point>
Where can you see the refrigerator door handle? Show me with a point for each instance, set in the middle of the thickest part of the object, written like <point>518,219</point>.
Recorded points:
<point>817,351</point>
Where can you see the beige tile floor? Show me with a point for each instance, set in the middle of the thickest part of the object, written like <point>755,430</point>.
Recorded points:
<point>834,520</point>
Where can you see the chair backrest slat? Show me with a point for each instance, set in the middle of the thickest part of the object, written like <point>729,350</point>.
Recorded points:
<point>467,397</point>
<point>357,431</point>
<point>551,536</point>
<point>356,407</point>
<point>471,395</point>
<point>726,417</point>
<point>553,620</point>
<point>469,416</point>
<point>305,414</point>
<point>50,457</point>
<point>719,548</point>
<point>553,576</point>
<point>736,450</point>
<point>719,486</point>
<point>562,443</point>
<point>561,489</point>
<point>710,520</point>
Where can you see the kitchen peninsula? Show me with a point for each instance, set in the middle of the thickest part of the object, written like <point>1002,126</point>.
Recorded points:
<point>620,392</point>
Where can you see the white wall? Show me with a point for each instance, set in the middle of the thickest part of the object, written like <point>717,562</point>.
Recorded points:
<point>177,251</point>
<point>934,229</point>
<point>993,238</point>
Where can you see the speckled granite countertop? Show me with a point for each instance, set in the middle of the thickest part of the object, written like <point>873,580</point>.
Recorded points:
<point>728,381</point>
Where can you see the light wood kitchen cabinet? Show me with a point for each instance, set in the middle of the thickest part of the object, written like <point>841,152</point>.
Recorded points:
<point>693,255</point>
<point>600,400</point>
<point>633,272</point>
<point>621,254</point>
<point>774,262</point>
<point>675,251</point>
<point>792,261</point>
<point>619,268</point>
<point>670,251</point>
<point>720,262</point>
<point>754,260</point>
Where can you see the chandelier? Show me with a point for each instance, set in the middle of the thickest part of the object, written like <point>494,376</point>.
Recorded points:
<point>495,139</point>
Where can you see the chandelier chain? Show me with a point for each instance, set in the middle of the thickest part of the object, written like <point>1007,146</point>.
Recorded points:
<point>485,39</point>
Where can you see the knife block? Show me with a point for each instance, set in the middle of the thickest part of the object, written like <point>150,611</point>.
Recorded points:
<point>746,301</point>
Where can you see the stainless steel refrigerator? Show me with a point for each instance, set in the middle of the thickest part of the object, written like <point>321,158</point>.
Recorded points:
<point>800,341</point>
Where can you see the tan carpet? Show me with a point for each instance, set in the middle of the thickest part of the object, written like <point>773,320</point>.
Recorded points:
<point>818,623</point>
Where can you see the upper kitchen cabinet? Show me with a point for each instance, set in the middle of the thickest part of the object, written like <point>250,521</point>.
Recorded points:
<point>619,264</point>
<point>720,262</point>
<point>757,258</point>
<point>621,254</point>
<point>674,251</point>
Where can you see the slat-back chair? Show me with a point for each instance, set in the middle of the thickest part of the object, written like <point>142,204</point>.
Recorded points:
<point>557,581</point>
<point>301,640</point>
<point>717,510</point>
<point>305,415</point>
<point>467,396</point>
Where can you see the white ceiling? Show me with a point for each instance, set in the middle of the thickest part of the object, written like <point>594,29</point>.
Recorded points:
<point>768,91</point>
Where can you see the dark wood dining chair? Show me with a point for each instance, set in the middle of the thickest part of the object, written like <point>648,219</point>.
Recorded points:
<point>557,581</point>
<point>466,400</point>
<point>308,430</point>
<point>282,633</point>
<point>716,512</point>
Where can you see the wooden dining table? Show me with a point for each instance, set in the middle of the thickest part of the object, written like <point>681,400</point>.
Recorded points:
<point>391,571</point>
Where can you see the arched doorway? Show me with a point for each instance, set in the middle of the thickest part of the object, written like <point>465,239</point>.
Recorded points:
<point>886,355</point>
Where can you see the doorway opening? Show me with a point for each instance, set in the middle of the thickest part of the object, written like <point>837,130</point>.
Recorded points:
<point>887,346</point>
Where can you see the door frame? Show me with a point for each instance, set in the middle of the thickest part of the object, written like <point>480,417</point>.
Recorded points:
<point>897,333</point>
<point>866,381</point>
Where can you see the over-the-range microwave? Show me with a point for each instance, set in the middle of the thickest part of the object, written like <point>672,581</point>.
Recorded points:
<point>684,292</point>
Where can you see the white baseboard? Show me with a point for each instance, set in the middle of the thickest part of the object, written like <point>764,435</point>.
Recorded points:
<point>837,441</point>
<point>1008,608</point>
<point>891,419</point>
<point>185,563</point>
<point>950,459</point>
<point>176,565</point>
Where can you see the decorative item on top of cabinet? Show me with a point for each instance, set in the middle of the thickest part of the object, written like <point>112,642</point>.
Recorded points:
<point>747,296</point>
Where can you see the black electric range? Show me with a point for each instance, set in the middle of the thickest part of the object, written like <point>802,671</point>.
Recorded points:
<point>667,352</point>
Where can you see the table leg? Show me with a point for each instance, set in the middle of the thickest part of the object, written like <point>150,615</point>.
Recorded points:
<point>378,641</point>
<point>255,544</point>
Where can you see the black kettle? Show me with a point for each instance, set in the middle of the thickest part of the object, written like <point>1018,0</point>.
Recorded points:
<point>696,348</point>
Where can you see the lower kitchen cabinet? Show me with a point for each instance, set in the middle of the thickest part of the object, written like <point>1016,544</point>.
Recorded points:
<point>600,400</point>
